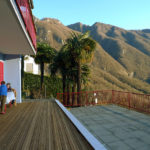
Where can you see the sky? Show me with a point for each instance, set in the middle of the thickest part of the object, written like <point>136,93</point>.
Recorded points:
<point>127,14</point>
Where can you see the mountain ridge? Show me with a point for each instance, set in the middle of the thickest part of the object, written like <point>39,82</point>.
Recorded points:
<point>119,42</point>
<point>122,57</point>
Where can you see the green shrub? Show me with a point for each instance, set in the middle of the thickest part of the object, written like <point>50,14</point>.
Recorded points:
<point>51,87</point>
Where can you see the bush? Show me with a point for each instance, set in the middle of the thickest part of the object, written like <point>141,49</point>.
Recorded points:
<point>51,87</point>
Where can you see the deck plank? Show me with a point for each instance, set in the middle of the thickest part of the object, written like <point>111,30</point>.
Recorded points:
<point>39,125</point>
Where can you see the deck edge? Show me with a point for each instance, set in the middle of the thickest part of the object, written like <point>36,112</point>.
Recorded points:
<point>87,135</point>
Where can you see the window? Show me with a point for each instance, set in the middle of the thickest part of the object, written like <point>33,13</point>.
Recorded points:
<point>29,67</point>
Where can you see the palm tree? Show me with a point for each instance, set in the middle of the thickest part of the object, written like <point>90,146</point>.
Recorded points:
<point>45,54</point>
<point>70,62</point>
<point>85,71</point>
<point>61,65</point>
<point>72,73</point>
<point>81,48</point>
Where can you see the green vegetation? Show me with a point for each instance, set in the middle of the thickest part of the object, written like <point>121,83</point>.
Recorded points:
<point>45,54</point>
<point>71,63</point>
<point>81,48</point>
<point>121,60</point>
<point>32,86</point>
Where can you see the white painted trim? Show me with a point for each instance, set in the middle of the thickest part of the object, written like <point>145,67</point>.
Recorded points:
<point>13,3</point>
<point>12,74</point>
<point>87,135</point>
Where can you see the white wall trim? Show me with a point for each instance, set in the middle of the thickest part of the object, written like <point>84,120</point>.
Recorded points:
<point>87,135</point>
<point>12,74</point>
<point>13,3</point>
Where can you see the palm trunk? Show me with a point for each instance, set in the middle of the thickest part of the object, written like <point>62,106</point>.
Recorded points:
<point>64,89</point>
<point>68,94</point>
<point>42,74</point>
<point>73,93</point>
<point>79,83</point>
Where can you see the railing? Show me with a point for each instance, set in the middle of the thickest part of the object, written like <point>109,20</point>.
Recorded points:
<point>140,102</point>
<point>26,14</point>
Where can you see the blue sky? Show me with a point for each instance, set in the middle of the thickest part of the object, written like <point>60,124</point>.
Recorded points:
<point>128,14</point>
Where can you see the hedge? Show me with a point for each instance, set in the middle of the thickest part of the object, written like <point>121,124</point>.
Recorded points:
<point>52,86</point>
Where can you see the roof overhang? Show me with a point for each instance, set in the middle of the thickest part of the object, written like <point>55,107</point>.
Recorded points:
<point>14,38</point>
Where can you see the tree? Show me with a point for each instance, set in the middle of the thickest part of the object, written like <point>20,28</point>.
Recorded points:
<point>81,48</point>
<point>71,63</point>
<point>61,65</point>
<point>85,71</point>
<point>45,54</point>
<point>65,65</point>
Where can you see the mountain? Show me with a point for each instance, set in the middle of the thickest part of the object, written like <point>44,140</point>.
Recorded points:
<point>130,48</point>
<point>52,31</point>
<point>122,58</point>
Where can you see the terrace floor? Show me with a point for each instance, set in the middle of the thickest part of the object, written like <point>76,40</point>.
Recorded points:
<point>115,127</point>
<point>39,126</point>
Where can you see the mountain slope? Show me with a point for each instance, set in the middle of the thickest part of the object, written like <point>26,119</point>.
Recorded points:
<point>130,48</point>
<point>116,63</point>
<point>52,31</point>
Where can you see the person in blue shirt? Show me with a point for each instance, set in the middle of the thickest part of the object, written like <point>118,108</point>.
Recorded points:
<point>3,96</point>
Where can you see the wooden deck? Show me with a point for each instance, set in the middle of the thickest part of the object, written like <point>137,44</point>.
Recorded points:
<point>39,126</point>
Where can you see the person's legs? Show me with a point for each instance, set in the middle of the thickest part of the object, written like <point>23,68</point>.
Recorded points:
<point>15,104</point>
<point>12,102</point>
<point>3,101</point>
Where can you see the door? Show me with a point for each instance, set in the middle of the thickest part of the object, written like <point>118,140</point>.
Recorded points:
<point>1,71</point>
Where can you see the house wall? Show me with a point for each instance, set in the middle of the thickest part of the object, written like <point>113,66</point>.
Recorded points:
<point>12,73</point>
<point>30,65</point>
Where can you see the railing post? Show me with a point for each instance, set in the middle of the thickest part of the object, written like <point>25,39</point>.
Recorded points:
<point>112,99</point>
<point>64,98</point>
<point>86,98</point>
<point>93,99</point>
<point>58,96</point>
<point>129,98</point>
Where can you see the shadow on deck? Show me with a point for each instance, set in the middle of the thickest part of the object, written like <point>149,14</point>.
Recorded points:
<point>40,126</point>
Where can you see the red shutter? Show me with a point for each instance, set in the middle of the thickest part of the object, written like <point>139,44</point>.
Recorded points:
<point>1,71</point>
